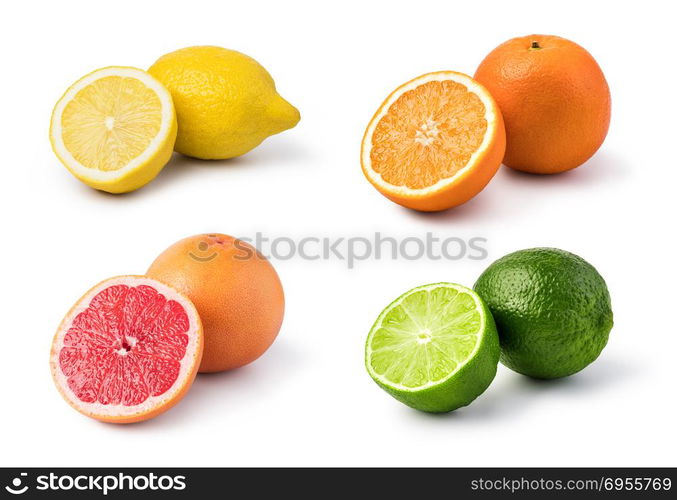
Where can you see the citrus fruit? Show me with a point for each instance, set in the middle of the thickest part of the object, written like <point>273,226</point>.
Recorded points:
<point>435,142</point>
<point>226,102</point>
<point>114,129</point>
<point>554,99</point>
<point>435,348</point>
<point>236,291</point>
<point>552,311</point>
<point>127,351</point>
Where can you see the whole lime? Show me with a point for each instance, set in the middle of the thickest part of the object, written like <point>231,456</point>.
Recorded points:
<point>552,310</point>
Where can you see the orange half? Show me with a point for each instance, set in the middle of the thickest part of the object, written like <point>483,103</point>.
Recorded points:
<point>435,142</point>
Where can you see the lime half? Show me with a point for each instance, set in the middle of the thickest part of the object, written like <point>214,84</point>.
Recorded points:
<point>435,348</point>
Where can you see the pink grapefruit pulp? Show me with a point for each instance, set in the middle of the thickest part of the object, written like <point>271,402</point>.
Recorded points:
<point>128,350</point>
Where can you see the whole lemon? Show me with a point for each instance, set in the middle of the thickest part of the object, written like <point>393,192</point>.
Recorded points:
<point>226,102</point>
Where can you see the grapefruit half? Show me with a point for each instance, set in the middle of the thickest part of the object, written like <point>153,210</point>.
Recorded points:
<point>128,350</point>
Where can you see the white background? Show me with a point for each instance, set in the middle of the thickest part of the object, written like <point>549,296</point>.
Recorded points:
<point>309,400</point>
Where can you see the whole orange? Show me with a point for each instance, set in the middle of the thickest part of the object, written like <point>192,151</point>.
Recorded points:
<point>236,292</point>
<point>554,99</point>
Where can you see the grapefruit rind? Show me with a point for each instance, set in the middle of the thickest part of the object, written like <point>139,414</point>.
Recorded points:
<point>153,405</point>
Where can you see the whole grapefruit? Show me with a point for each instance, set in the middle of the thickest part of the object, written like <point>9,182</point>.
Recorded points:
<point>236,292</point>
<point>554,99</point>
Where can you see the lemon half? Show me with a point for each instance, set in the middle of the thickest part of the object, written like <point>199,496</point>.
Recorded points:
<point>114,129</point>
